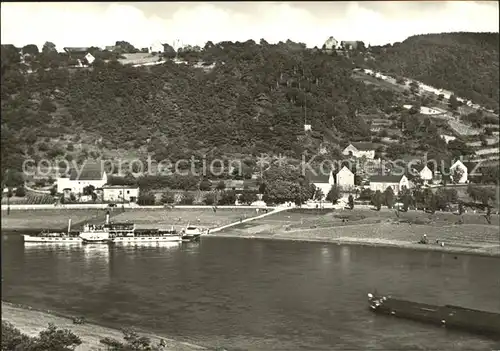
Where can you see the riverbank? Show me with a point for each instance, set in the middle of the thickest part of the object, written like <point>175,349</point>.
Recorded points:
<point>378,228</point>
<point>30,322</point>
<point>144,218</point>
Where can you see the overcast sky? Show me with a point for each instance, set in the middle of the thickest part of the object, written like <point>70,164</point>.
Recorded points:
<point>102,23</point>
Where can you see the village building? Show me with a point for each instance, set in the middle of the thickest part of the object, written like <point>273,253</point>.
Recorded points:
<point>322,181</point>
<point>331,44</point>
<point>344,178</point>
<point>78,179</point>
<point>359,150</point>
<point>382,182</point>
<point>459,166</point>
<point>120,193</point>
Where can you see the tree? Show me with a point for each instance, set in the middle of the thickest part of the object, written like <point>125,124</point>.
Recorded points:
<point>210,199</point>
<point>389,197</point>
<point>351,202</point>
<point>31,49</point>
<point>453,102</point>
<point>53,190</point>
<point>248,198</point>
<point>133,342</point>
<point>456,174</point>
<point>88,190</point>
<point>334,194</point>
<point>227,198</point>
<point>20,191</point>
<point>51,338</point>
<point>49,47</point>
<point>187,198</point>
<point>221,185</point>
<point>205,185</point>
<point>377,199</point>
<point>318,194</point>
<point>167,197</point>
<point>406,199</point>
<point>429,200</point>
<point>146,199</point>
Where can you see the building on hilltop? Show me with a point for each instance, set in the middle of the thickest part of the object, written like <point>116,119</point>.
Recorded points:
<point>331,44</point>
<point>360,149</point>
<point>352,45</point>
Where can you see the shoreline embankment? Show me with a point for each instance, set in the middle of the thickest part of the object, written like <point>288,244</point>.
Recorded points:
<point>31,322</point>
<point>469,235</point>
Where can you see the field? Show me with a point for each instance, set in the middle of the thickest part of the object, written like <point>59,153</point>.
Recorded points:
<point>48,219</point>
<point>165,218</point>
<point>144,218</point>
<point>379,228</point>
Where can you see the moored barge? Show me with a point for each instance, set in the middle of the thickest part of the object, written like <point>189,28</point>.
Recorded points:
<point>449,316</point>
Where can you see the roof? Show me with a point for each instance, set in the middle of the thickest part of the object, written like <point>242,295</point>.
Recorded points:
<point>318,177</point>
<point>76,49</point>
<point>90,171</point>
<point>120,187</point>
<point>364,146</point>
<point>386,178</point>
<point>343,166</point>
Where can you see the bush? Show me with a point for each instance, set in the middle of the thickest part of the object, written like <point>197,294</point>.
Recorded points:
<point>187,198</point>
<point>167,198</point>
<point>21,191</point>
<point>210,199</point>
<point>48,339</point>
<point>227,198</point>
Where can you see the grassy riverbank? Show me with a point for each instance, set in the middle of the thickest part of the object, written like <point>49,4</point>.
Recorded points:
<point>31,322</point>
<point>57,219</point>
<point>374,228</point>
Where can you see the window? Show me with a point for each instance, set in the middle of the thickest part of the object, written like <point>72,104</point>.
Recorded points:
<point>128,192</point>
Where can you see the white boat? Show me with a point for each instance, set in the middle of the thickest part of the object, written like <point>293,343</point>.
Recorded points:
<point>54,237</point>
<point>192,233</point>
<point>126,233</point>
<point>60,238</point>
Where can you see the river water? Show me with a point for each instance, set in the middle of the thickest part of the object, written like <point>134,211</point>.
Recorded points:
<point>254,294</point>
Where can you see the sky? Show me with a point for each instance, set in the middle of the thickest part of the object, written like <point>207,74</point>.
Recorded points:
<point>195,23</point>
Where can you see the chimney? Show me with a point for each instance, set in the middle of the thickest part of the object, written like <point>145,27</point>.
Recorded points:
<point>107,217</point>
<point>69,226</point>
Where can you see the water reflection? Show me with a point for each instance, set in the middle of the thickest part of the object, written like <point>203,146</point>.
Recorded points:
<point>345,258</point>
<point>326,255</point>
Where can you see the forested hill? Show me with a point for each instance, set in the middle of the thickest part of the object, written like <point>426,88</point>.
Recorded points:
<point>464,63</point>
<point>252,101</point>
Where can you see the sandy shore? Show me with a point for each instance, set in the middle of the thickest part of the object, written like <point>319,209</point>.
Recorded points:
<point>31,322</point>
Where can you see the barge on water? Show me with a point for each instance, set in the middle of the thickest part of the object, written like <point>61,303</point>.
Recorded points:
<point>453,317</point>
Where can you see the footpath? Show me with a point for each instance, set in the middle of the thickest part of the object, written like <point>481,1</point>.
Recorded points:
<point>276,210</point>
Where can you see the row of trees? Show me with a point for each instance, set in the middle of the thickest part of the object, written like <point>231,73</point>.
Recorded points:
<point>56,339</point>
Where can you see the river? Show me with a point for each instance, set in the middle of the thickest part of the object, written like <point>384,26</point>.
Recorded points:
<point>253,294</point>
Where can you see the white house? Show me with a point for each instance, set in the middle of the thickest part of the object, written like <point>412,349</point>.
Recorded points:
<point>156,48</point>
<point>119,193</point>
<point>331,44</point>
<point>447,138</point>
<point>459,166</point>
<point>425,174</point>
<point>89,58</point>
<point>344,178</point>
<point>382,182</point>
<point>322,181</point>
<point>359,150</point>
<point>78,179</point>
